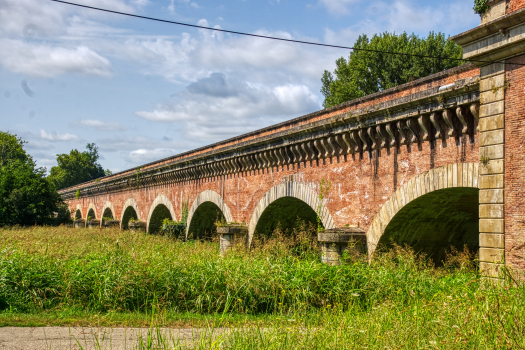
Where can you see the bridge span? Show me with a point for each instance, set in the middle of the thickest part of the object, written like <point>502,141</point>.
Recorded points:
<point>432,163</point>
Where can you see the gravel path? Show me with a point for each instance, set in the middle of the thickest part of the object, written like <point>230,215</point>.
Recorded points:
<point>62,338</point>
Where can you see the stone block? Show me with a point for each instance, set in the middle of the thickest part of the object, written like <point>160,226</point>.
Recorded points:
<point>492,255</point>
<point>489,138</point>
<point>491,181</point>
<point>493,196</point>
<point>491,211</point>
<point>496,166</point>
<point>490,269</point>
<point>488,84</point>
<point>492,69</point>
<point>494,122</point>
<point>491,225</point>
<point>492,240</point>
<point>496,10</point>
<point>492,152</point>
<point>492,96</point>
<point>492,109</point>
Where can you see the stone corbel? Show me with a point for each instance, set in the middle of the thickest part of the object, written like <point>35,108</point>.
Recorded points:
<point>447,117</point>
<point>391,133</point>
<point>332,149</point>
<point>371,131</point>
<point>304,146</point>
<point>298,149</point>
<point>434,118</point>
<point>461,113</point>
<point>412,127</point>
<point>341,144</point>
<point>327,149</point>
<point>382,134</point>
<point>423,121</point>
<point>401,131</point>
<point>474,109</point>
<point>285,155</point>
<point>349,143</point>
<point>362,135</point>
<point>317,144</point>
<point>354,136</point>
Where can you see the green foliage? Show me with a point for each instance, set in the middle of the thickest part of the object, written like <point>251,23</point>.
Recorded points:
<point>365,73</point>
<point>107,218</point>
<point>27,197</point>
<point>76,167</point>
<point>77,194</point>
<point>174,229</point>
<point>398,301</point>
<point>481,6</point>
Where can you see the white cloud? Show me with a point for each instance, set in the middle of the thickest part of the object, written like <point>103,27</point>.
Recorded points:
<point>100,125</point>
<point>53,136</point>
<point>141,156</point>
<point>338,7</point>
<point>218,107</point>
<point>47,61</point>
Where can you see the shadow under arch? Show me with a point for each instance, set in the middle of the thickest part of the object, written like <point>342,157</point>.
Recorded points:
<point>78,214</point>
<point>107,211</point>
<point>285,213</point>
<point>294,190</point>
<point>206,209</point>
<point>431,212</point>
<point>130,211</point>
<point>160,209</point>
<point>92,212</point>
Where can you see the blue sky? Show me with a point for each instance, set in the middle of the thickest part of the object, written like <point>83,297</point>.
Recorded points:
<point>143,90</point>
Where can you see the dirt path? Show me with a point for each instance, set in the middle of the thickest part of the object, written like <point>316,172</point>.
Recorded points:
<point>62,338</point>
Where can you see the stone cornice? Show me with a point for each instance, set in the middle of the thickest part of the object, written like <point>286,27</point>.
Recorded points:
<point>233,158</point>
<point>490,28</point>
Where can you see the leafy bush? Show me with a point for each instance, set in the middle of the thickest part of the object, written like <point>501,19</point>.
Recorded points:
<point>481,6</point>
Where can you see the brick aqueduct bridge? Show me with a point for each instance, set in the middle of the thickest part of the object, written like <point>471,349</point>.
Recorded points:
<point>436,162</point>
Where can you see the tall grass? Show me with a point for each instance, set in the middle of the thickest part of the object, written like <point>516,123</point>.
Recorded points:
<point>398,301</point>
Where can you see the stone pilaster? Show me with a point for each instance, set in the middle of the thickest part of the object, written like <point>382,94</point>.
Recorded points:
<point>492,169</point>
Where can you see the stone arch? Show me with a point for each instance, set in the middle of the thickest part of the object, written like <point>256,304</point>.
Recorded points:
<point>92,206</point>
<point>107,205</point>
<point>290,189</point>
<point>161,199</point>
<point>130,202</point>
<point>445,177</point>
<point>208,196</point>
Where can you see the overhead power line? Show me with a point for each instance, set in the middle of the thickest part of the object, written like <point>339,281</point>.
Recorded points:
<point>276,38</point>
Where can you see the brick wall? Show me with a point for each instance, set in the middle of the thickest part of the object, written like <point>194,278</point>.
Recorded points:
<point>515,161</point>
<point>515,5</point>
<point>360,187</point>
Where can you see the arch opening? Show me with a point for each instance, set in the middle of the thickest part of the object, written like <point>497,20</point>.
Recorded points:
<point>435,222</point>
<point>285,213</point>
<point>78,214</point>
<point>202,225</point>
<point>91,214</point>
<point>108,214</point>
<point>129,214</point>
<point>160,213</point>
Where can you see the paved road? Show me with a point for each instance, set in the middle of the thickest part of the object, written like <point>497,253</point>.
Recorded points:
<point>62,338</point>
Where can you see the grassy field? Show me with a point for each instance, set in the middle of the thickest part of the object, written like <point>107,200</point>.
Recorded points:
<point>277,296</point>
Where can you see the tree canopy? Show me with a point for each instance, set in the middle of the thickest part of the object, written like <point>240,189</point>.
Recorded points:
<point>367,72</point>
<point>77,167</point>
<point>27,197</point>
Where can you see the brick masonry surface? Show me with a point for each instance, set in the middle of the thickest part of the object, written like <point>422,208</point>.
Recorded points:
<point>515,162</point>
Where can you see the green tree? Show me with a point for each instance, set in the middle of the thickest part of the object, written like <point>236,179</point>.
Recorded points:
<point>27,197</point>
<point>366,72</point>
<point>77,167</point>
